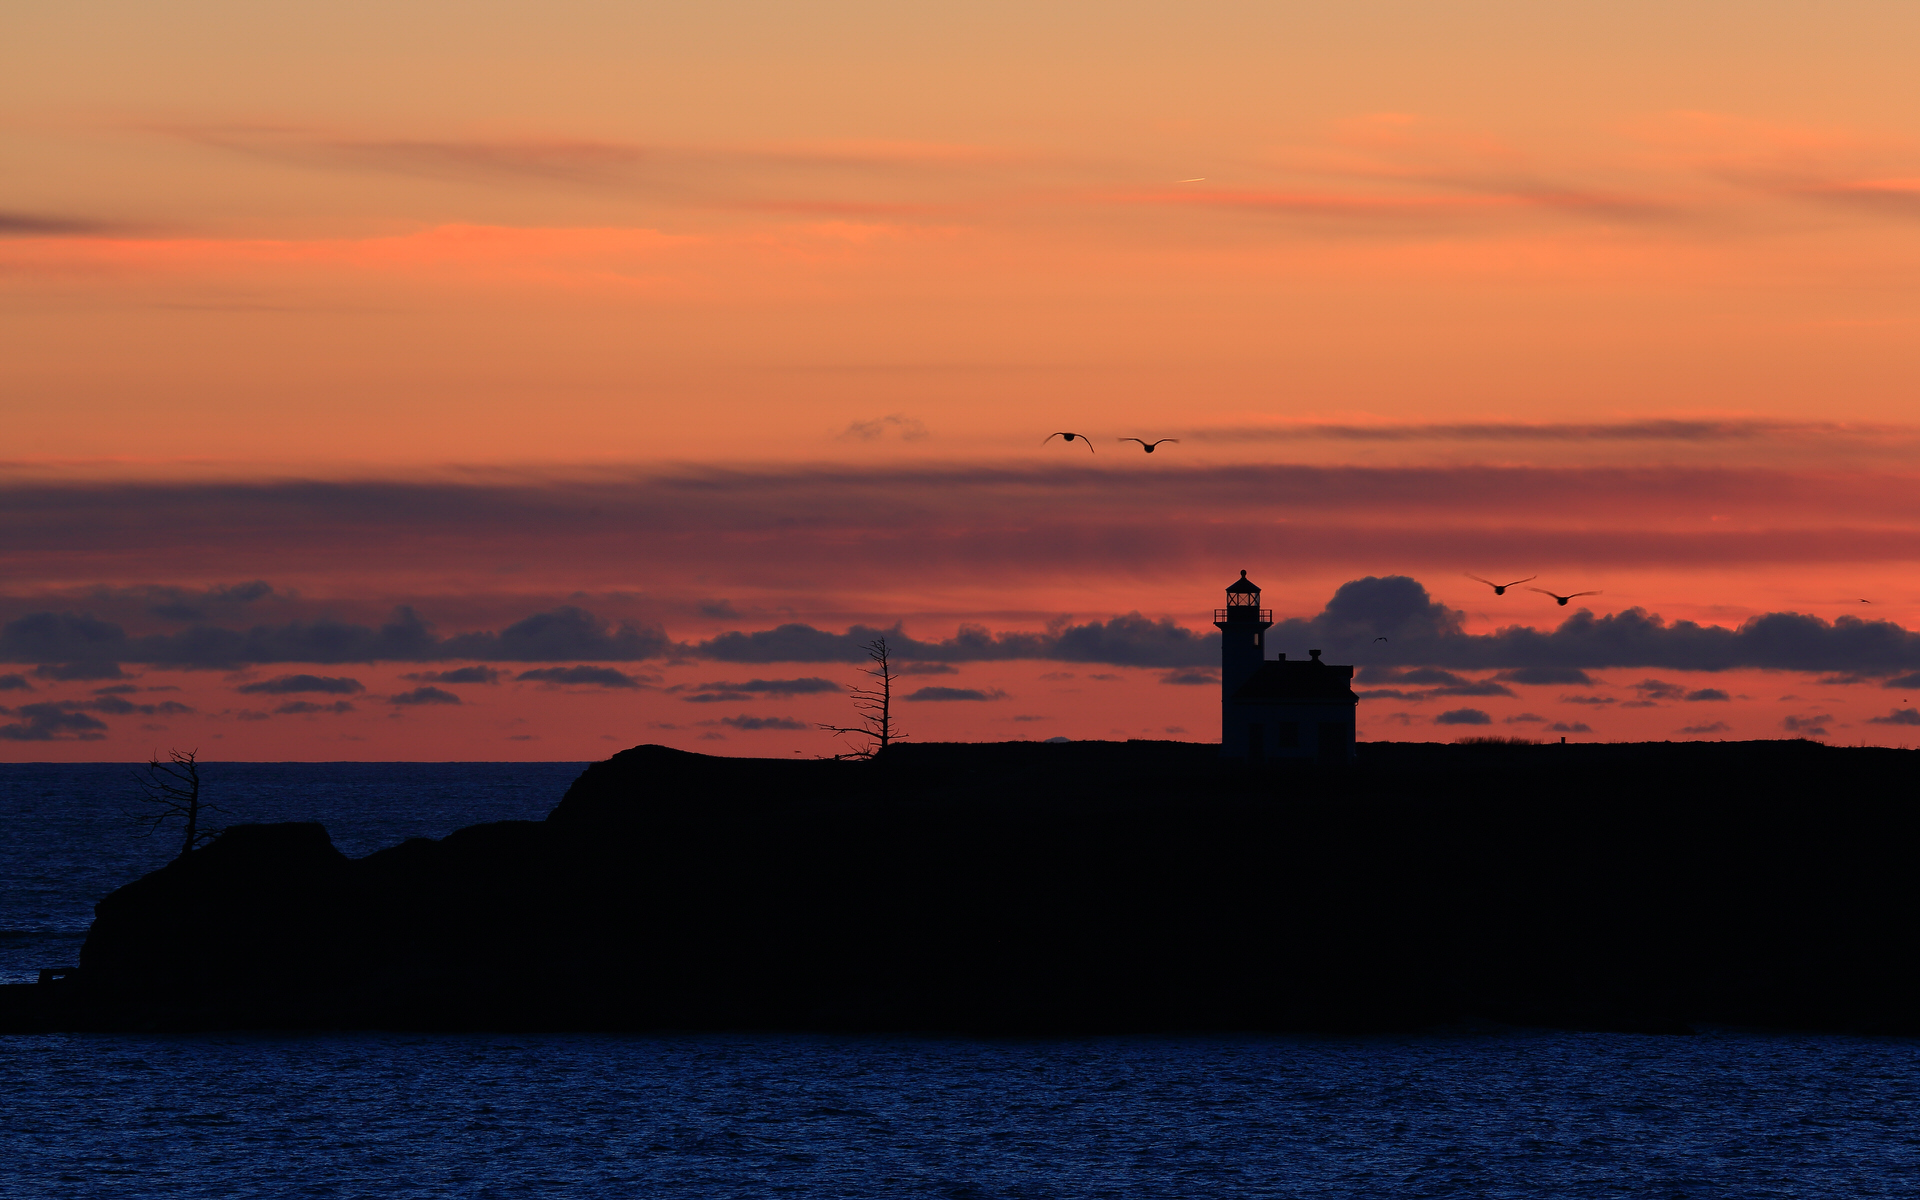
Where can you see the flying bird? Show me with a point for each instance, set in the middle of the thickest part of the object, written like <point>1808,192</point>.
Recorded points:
<point>1500,589</point>
<point>1561,600</point>
<point>1379,639</point>
<point>1069,436</point>
<point>1147,446</point>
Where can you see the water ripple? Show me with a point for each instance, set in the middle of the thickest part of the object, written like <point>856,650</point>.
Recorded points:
<point>1488,1114</point>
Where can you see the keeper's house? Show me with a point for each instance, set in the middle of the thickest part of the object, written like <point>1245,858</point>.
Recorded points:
<point>1273,708</point>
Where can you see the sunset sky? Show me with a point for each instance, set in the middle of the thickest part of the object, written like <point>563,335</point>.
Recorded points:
<point>494,381</point>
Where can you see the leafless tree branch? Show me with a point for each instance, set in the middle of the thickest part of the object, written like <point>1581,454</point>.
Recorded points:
<point>170,791</point>
<point>875,706</point>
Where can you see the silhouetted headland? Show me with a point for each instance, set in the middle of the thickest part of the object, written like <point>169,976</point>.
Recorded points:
<point>1080,887</point>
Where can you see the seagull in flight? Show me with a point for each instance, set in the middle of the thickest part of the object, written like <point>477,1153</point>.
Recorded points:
<point>1147,446</point>
<point>1559,599</point>
<point>1380,639</point>
<point>1500,589</point>
<point>1069,436</point>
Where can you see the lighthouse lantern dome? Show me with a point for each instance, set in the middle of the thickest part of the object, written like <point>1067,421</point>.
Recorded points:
<point>1243,598</point>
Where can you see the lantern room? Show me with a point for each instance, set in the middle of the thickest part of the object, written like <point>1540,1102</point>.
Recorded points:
<point>1243,603</point>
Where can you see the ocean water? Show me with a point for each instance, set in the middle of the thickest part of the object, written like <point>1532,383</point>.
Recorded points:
<point>1502,1113</point>
<point>1470,1112</point>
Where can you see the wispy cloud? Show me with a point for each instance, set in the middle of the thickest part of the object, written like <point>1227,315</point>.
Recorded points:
<point>1649,430</point>
<point>1385,169</point>
<point>582,676</point>
<point>1192,677</point>
<point>1430,682</point>
<point>723,691</point>
<point>907,429</point>
<point>843,177</point>
<point>281,685</point>
<point>953,693</point>
<point>1839,167</point>
<point>1703,730</point>
<point>1537,676</point>
<point>424,695</point>
<point>1406,209</point>
<point>1807,725</point>
<point>457,675</point>
<point>308,708</point>
<point>565,160</point>
<point>50,225</point>
<point>758,723</point>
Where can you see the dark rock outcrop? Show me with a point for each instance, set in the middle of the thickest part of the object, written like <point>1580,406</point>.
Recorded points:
<point>1079,887</point>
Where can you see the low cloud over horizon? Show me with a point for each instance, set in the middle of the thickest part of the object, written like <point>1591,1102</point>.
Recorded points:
<point>567,632</point>
<point>1391,623</point>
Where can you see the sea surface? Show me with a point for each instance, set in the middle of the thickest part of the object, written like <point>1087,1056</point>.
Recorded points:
<point>1483,1111</point>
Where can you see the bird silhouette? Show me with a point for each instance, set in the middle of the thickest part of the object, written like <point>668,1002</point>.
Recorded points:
<point>1500,589</point>
<point>1559,599</point>
<point>1147,446</point>
<point>1379,639</point>
<point>1069,436</point>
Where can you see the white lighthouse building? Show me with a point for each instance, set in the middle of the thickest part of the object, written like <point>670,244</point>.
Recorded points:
<point>1273,708</point>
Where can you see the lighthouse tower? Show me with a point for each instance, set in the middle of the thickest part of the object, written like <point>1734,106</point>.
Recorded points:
<point>1300,710</point>
<point>1243,626</point>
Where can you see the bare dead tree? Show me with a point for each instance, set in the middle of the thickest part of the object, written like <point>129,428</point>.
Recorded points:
<point>875,706</point>
<point>170,791</point>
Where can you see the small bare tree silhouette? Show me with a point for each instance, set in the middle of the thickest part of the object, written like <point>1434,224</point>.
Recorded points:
<point>171,791</point>
<point>875,706</point>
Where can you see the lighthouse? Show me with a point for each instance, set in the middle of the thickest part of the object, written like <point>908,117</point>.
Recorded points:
<point>1276,709</point>
<point>1243,626</point>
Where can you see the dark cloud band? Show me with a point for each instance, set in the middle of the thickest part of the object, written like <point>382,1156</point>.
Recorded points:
<point>564,633</point>
<point>841,527</point>
<point>1423,632</point>
<point>1131,640</point>
<point>1381,622</point>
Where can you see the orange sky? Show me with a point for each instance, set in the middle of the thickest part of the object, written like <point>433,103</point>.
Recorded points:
<point>724,316</point>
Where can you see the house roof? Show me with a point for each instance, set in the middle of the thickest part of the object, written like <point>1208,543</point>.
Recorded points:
<point>1312,681</point>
